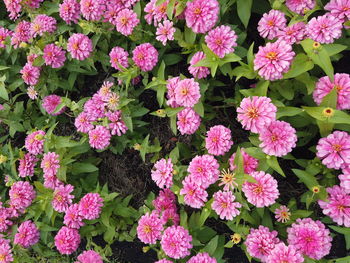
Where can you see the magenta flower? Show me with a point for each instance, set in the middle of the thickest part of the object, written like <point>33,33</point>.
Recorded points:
<point>70,11</point>
<point>341,84</point>
<point>201,15</point>
<point>14,8</point>
<point>67,240</point>
<point>300,6</point>
<point>204,170</point>
<point>221,40</point>
<point>54,56</point>
<point>149,228</point>
<point>334,150</point>
<point>4,33</point>
<point>5,251</point>
<point>62,198</point>
<point>278,138</point>
<point>27,234</point>
<point>112,10</point>
<point>34,142</point>
<point>339,8</point>
<point>271,24</point>
<point>79,46</point>
<point>99,138</point>
<point>176,242</point>
<point>51,181</point>
<point>195,195</point>
<point>22,33</point>
<point>344,179</point>
<point>198,72</point>
<point>145,56</point>
<point>218,140</point>
<point>171,85</point>
<point>310,238</point>
<point>165,32</point>
<point>282,253</point>
<point>5,216</point>
<point>92,9</point>
<point>165,200</point>
<point>187,92</point>
<point>50,163</point>
<point>170,216</point>
<point>50,104</point>
<point>118,56</point>
<point>126,21</point>
<point>116,125</point>
<point>95,107</point>
<point>89,256</point>
<point>72,218</point>
<point>324,29</point>
<point>21,195</point>
<point>250,164</point>
<point>155,12</point>
<point>162,173</point>
<point>293,33</point>
<point>188,121</point>
<point>83,123</point>
<point>90,206</point>
<point>202,258</point>
<point>273,60</point>
<point>263,192</point>
<point>225,206</point>
<point>30,74</point>
<point>163,261</point>
<point>282,214</point>
<point>27,165</point>
<point>42,24</point>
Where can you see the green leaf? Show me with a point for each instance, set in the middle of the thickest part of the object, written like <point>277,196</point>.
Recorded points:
<point>301,64</point>
<point>330,100</point>
<point>211,246</point>
<point>308,179</point>
<point>3,67</point>
<point>288,111</point>
<point>273,163</point>
<point>161,89</point>
<point>199,108</point>
<point>170,9</point>
<point>244,10</point>
<point>190,36</point>
<point>3,91</point>
<point>79,168</point>
<point>333,49</point>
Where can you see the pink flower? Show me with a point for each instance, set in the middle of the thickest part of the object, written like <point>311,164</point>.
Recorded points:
<point>70,11</point>
<point>198,72</point>
<point>202,258</point>
<point>72,218</point>
<point>188,121</point>
<point>334,150</point>
<point>89,256</point>
<point>271,24</point>
<point>67,240</point>
<point>34,142</point>
<point>176,242</point>
<point>27,234</point>
<point>170,216</point>
<point>51,103</point>
<point>90,206</point>
<point>341,84</point>
<point>204,170</point>
<point>337,206</point>
<point>273,60</point>
<point>324,29</point>
<point>83,123</point>
<point>300,6</point>
<point>54,56</point>
<point>42,24</point>
<point>14,8</point>
<point>50,163</point>
<point>165,32</point>
<point>171,85</point>
<point>166,200</point>
<point>293,33</point>
<point>32,93</point>
<point>21,33</point>
<point>21,195</point>
<point>260,242</point>
<point>158,13</point>
<point>163,261</point>
<point>5,216</point>
<point>250,164</point>
<point>195,195</point>
<point>218,140</point>
<point>51,181</point>
<point>112,10</point>
<point>99,138</point>
<point>162,173</point>
<point>92,9</point>
<point>339,8</point>
<point>282,253</point>
<point>225,206</point>
<point>62,198</point>
<point>5,251</point>
<point>149,228</point>
<point>105,92</point>
<point>221,40</point>
<point>95,107</point>
<point>310,238</point>
<point>278,138</point>
<point>187,92</point>
<point>282,214</point>
<point>116,125</point>
<point>79,46</point>
<point>145,56</point>
<point>119,56</point>
<point>126,21</point>
<point>32,3</point>
<point>345,181</point>
<point>30,74</point>
<point>262,193</point>
<point>201,15</point>
<point>26,165</point>
<point>4,33</point>
<point>255,113</point>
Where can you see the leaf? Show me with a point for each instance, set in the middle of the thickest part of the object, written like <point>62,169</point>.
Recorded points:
<point>333,49</point>
<point>301,64</point>
<point>244,10</point>
<point>79,168</point>
<point>170,9</point>
<point>199,108</point>
<point>259,90</point>
<point>3,67</point>
<point>288,111</point>
<point>330,100</point>
<point>3,91</point>
<point>309,180</point>
<point>211,246</point>
<point>190,36</point>
<point>273,163</point>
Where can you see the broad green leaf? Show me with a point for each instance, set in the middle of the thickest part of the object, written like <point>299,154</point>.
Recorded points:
<point>273,163</point>
<point>190,36</point>
<point>210,248</point>
<point>330,100</point>
<point>309,180</point>
<point>244,10</point>
<point>333,49</point>
<point>288,111</point>
<point>301,64</point>
<point>79,168</point>
<point>199,108</point>
<point>3,91</point>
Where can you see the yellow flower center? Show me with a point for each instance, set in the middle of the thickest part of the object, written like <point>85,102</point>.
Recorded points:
<point>271,55</point>
<point>147,229</point>
<point>253,113</point>
<point>337,147</point>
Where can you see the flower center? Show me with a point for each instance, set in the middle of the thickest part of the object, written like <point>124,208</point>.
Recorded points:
<point>253,113</point>
<point>271,55</point>
<point>140,56</point>
<point>341,208</point>
<point>2,257</point>
<point>191,192</point>
<point>338,88</point>
<point>199,169</point>
<point>270,23</point>
<point>75,46</point>
<point>197,11</point>
<point>124,21</point>
<point>258,189</point>
<point>47,164</point>
<point>218,42</point>
<point>274,137</point>
<point>337,147</point>
<point>224,205</point>
<point>184,91</point>
<point>147,229</point>
<point>215,139</point>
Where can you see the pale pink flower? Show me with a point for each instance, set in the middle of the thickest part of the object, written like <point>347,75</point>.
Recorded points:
<point>79,46</point>
<point>70,11</point>
<point>202,258</point>
<point>21,195</point>
<point>300,6</point>
<point>225,206</point>
<point>162,173</point>
<point>228,180</point>
<point>34,142</point>
<point>198,72</point>
<point>72,218</point>
<point>310,238</point>
<point>4,33</point>
<point>188,121</point>
<point>339,8</point>
<point>67,240</point>
<point>14,8</point>
<point>345,180</point>
<point>30,74</point>
<point>50,163</point>
<point>221,40</point>
<point>255,113</point>
<point>282,253</point>
<point>126,21</point>
<point>32,93</point>
<point>105,91</point>
<point>90,206</point>
<point>204,170</point>
<point>42,24</point>
<point>176,242</point>
<point>187,92</point>
<point>89,256</point>
<point>118,56</point>
<point>218,140</point>
<point>165,32</point>
<point>334,150</point>
<point>250,164</point>
<point>278,138</point>
<point>263,192</point>
<point>145,56</point>
<point>92,9</point>
<point>282,214</point>
<point>99,138</point>
<point>62,198</point>
<point>27,234</point>
<point>271,24</point>
<point>324,29</point>
<point>83,123</point>
<point>149,228</point>
<point>194,195</point>
<point>51,103</point>
<point>54,56</point>
<point>27,165</point>
<point>293,33</point>
<point>116,125</point>
<point>171,85</point>
<point>201,15</point>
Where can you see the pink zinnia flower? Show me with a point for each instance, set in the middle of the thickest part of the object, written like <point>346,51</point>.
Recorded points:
<point>50,104</point>
<point>116,125</point>
<point>89,256</point>
<point>339,8</point>
<point>4,33</point>
<point>21,195</point>
<point>72,218</point>
<point>282,214</point>
<point>204,170</point>
<point>293,33</point>
<point>54,56</point>
<point>21,33</point>
<point>162,173</point>
<point>195,195</point>
<point>273,60</point>
<point>149,228</point>
<point>201,15</point>
<point>62,198</point>
<point>255,113</point>
<point>176,242</point>
<point>112,10</point>
<point>119,56</point>
<point>282,253</point>
<point>99,138</point>
<point>334,150</point>
<point>188,121</point>
<point>32,93</point>
<point>165,32</point>
<point>163,261</point>
<point>310,238</point>
<point>221,40</point>
<point>225,206</point>
<point>34,142</point>
<point>32,3</point>
<point>218,140</point>
<point>14,8</point>
<point>30,74</point>
<point>5,216</point>
<point>50,163</point>
<point>5,251</point>
<point>278,138</point>
<point>262,193</point>
<point>95,107</point>
<point>170,216</point>
<point>345,181</point>
<point>337,206</point>
<point>26,165</point>
<point>300,6</point>
<point>27,234</point>
<point>171,85</point>
<point>92,9</point>
<point>90,206</point>
<point>145,56</point>
<point>324,29</point>
<point>126,21</point>
<point>271,24</point>
<point>51,181</point>
<point>202,258</point>
<point>187,92</point>
<point>341,84</point>
<point>70,11</point>
<point>165,200</point>
<point>79,46</point>
<point>42,24</point>
<point>260,242</point>
<point>83,123</point>
<point>67,240</point>
<point>250,164</point>
<point>198,72</point>
<point>156,12</point>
